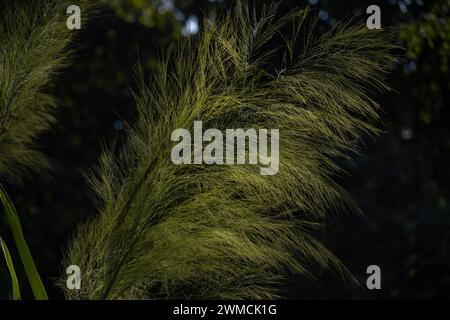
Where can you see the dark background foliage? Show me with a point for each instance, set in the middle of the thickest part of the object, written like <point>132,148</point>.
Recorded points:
<point>401,181</point>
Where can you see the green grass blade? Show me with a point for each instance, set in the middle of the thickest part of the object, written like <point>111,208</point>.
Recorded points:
<point>12,271</point>
<point>13,222</point>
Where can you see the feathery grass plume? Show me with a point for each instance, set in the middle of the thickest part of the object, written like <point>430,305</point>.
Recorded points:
<point>34,41</point>
<point>225,231</point>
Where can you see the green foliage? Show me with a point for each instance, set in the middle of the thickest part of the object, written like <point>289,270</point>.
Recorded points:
<point>34,44</point>
<point>156,14</point>
<point>177,231</point>
<point>427,43</point>
<point>142,11</point>
<point>431,31</point>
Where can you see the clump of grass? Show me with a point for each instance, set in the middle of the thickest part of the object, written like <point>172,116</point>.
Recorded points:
<point>177,231</point>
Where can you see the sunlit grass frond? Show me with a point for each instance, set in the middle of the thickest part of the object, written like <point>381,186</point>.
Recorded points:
<point>225,231</point>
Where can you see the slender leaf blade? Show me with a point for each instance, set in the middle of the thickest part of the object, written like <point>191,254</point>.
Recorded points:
<point>13,222</point>
<point>12,271</point>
